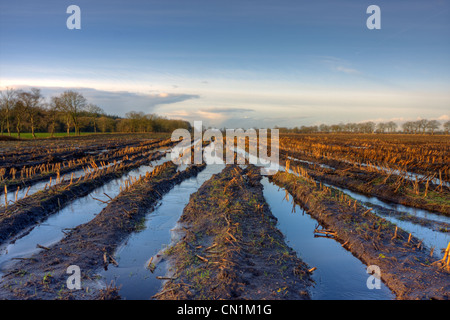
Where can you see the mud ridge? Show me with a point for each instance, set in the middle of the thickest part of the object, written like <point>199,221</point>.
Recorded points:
<point>231,248</point>
<point>91,246</point>
<point>32,209</point>
<point>405,264</point>
<point>438,226</point>
<point>110,156</point>
<point>362,182</point>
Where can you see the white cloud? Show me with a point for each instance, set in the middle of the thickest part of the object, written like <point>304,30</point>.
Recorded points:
<point>120,102</point>
<point>347,70</point>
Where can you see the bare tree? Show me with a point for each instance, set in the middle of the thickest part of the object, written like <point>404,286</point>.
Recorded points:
<point>31,106</point>
<point>446,126</point>
<point>324,128</point>
<point>407,127</point>
<point>72,103</point>
<point>53,111</point>
<point>353,127</point>
<point>8,99</point>
<point>381,127</point>
<point>19,112</point>
<point>433,125</point>
<point>391,126</point>
<point>335,128</point>
<point>366,127</point>
<point>95,112</point>
<point>421,124</point>
<point>412,126</point>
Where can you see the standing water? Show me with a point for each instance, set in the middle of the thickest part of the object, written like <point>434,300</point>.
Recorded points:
<point>17,194</point>
<point>132,276</point>
<point>430,238</point>
<point>339,275</point>
<point>79,211</point>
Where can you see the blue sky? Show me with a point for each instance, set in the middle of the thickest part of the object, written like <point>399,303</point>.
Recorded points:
<point>236,63</point>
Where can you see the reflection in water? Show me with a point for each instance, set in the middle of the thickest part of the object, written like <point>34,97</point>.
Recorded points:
<point>131,276</point>
<point>79,211</point>
<point>339,275</point>
<point>429,237</point>
<point>12,195</point>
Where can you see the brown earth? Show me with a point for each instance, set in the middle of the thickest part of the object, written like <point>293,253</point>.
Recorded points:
<point>406,265</point>
<point>364,182</point>
<point>105,152</point>
<point>91,246</point>
<point>32,209</point>
<point>231,248</point>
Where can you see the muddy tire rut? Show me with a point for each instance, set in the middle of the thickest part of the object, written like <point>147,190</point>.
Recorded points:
<point>351,178</point>
<point>91,246</point>
<point>231,248</point>
<point>32,209</point>
<point>406,266</point>
<point>85,161</point>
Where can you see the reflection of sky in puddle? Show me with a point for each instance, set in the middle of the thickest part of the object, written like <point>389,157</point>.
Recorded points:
<point>430,237</point>
<point>312,163</point>
<point>40,185</point>
<point>421,213</point>
<point>77,212</point>
<point>405,174</point>
<point>339,274</point>
<point>131,275</point>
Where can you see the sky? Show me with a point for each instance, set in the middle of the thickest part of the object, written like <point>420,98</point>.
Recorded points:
<point>236,63</point>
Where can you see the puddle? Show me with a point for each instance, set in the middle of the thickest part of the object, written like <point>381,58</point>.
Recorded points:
<point>429,237</point>
<point>40,185</point>
<point>312,163</point>
<point>411,176</point>
<point>97,152</point>
<point>134,280</point>
<point>77,212</point>
<point>421,213</point>
<point>339,275</point>
<point>405,174</point>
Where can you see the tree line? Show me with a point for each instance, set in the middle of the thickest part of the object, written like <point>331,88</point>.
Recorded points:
<point>29,111</point>
<point>411,127</point>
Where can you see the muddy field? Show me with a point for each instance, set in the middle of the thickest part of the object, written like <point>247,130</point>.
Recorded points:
<point>231,248</point>
<point>139,226</point>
